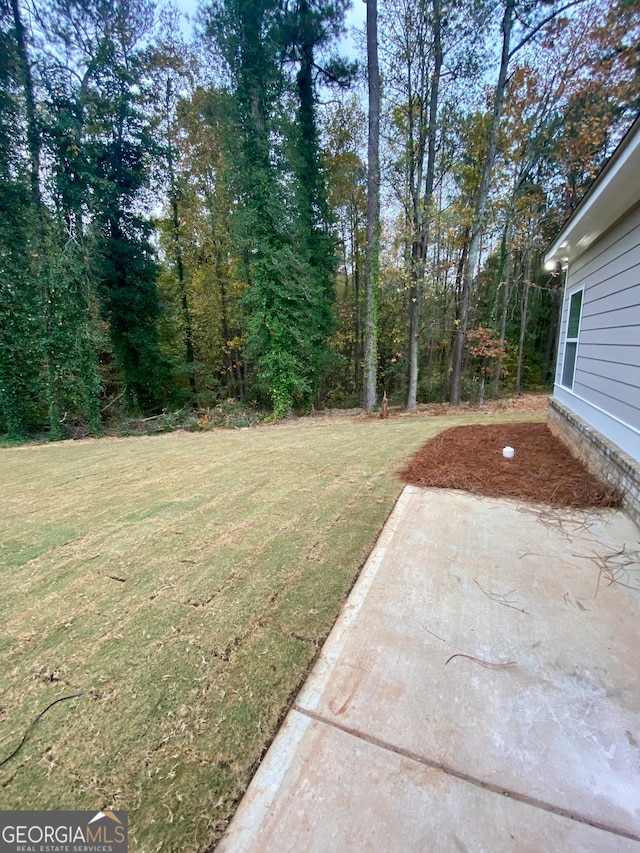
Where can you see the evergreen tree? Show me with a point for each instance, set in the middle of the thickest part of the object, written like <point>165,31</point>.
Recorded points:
<point>309,29</point>
<point>285,247</point>
<point>71,338</point>
<point>21,317</point>
<point>119,143</point>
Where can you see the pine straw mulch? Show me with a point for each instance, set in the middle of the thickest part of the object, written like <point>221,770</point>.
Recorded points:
<point>542,470</point>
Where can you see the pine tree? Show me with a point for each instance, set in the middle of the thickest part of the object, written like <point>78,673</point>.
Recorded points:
<point>71,339</point>
<point>21,306</point>
<point>119,143</point>
<point>284,246</point>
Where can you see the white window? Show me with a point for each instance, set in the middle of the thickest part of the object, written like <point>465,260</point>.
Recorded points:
<point>571,342</point>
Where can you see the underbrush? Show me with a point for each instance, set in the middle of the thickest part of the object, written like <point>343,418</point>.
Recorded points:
<point>228,414</point>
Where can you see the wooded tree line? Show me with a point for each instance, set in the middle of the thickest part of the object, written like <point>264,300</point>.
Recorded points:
<point>184,222</point>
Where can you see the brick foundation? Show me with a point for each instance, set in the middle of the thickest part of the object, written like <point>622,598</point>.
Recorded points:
<point>599,455</point>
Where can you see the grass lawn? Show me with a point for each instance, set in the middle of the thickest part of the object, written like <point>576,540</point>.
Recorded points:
<point>185,582</point>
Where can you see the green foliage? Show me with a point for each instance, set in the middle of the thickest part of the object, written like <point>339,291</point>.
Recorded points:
<point>127,285</point>
<point>433,388</point>
<point>282,229</point>
<point>227,414</point>
<point>277,305</point>
<point>200,285</point>
<point>105,117</point>
<point>21,330</point>
<point>532,374</point>
<point>233,414</point>
<point>94,137</point>
<point>21,320</point>
<point>120,147</point>
<point>72,342</point>
<point>281,373</point>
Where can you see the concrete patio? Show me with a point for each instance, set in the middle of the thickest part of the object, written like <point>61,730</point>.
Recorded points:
<point>479,692</point>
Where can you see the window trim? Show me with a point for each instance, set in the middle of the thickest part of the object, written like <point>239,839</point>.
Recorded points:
<point>575,341</point>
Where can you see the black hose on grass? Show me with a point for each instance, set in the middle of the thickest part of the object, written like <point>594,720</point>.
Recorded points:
<point>41,714</point>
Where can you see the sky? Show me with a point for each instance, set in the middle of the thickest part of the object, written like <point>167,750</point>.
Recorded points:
<point>356,18</point>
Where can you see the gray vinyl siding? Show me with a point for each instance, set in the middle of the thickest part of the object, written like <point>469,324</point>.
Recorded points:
<point>607,372</point>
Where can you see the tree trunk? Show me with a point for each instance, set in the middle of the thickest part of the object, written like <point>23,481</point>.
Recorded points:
<point>457,289</point>
<point>177,248</point>
<point>230,379</point>
<point>415,300</point>
<point>421,240</point>
<point>356,267</point>
<point>482,384</point>
<point>523,315</point>
<point>373,209</point>
<point>480,207</point>
<point>307,143</point>
<point>188,329</point>
<point>345,265</point>
<point>33,135</point>
<point>505,301</point>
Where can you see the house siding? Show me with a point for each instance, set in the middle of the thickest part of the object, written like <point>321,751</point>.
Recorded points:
<point>606,388</point>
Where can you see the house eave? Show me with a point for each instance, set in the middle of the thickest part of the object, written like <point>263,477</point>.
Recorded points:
<point>615,191</point>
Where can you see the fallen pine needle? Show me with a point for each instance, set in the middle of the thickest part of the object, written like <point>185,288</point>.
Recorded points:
<point>500,598</point>
<point>437,636</point>
<point>484,663</point>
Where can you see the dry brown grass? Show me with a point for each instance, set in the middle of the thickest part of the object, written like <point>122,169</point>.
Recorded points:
<point>185,583</point>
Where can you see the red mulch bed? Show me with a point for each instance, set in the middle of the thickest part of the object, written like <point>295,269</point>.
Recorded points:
<point>542,470</point>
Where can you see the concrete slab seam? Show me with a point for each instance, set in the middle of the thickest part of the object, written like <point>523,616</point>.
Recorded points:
<point>465,777</point>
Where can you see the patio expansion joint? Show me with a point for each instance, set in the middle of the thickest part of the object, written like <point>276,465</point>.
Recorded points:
<point>466,777</point>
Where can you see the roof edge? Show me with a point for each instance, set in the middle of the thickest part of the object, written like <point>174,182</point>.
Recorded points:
<point>614,191</point>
